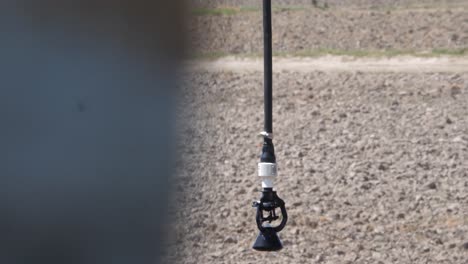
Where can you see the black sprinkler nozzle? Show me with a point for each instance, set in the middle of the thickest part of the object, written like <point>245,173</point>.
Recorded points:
<point>268,239</point>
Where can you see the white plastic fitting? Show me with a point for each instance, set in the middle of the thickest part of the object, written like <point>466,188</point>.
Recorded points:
<point>268,172</point>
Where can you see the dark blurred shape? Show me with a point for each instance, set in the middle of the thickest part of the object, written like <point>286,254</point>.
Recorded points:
<point>87,97</point>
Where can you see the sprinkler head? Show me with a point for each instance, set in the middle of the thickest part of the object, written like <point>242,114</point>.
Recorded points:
<point>268,239</point>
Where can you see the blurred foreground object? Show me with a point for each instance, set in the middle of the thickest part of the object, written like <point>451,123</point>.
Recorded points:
<point>86,103</point>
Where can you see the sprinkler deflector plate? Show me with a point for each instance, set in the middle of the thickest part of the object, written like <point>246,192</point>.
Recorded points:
<point>268,240</point>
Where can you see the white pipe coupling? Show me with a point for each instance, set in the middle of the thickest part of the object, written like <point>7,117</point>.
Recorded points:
<point>268,172</point>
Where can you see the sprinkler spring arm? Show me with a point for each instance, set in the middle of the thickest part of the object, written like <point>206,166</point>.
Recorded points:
<point>268,203</point>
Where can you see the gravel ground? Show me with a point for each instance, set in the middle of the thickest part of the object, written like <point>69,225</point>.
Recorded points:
<point>372,166</point>
<point>304,30</point>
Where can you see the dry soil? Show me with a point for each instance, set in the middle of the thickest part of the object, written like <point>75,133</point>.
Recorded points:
<point>304,31</point>
<point>373,167</point>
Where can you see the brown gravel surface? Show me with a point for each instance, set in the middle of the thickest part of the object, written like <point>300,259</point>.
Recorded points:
<point>373,167</point>
<point>296,31</point>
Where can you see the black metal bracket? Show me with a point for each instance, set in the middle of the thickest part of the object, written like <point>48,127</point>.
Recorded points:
<point>268,204</point>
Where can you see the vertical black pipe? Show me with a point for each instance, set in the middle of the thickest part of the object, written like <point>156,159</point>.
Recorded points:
<point>268,67</point>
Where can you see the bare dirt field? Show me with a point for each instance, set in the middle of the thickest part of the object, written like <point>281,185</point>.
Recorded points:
<point>303,31</point>
<point>330,3</point>
<point>373,166</point>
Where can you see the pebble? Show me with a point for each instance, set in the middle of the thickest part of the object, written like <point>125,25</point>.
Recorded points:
<point>465,246</point>
<point>320,258</point>
<point>432,186</point>
<point>230,240</point>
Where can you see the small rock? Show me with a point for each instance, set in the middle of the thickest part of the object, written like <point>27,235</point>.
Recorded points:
<point>225,213</point>
<point>366,186</point>
<point>242,191</point>
<point>465,246</point>
<point>315,188</point>
<point>449,121</point>
<point>320,258</point>
<point>230,240</point>
<point>311,224</point>
<point>296,204</point>
<point>376,255</point>
<point>315,113</point>
<point>382,167</point>
<point>432,186</point>
<point>379,230</point>
<point>455,91</point>
<point>212,227</point>
<point>292,222</point>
